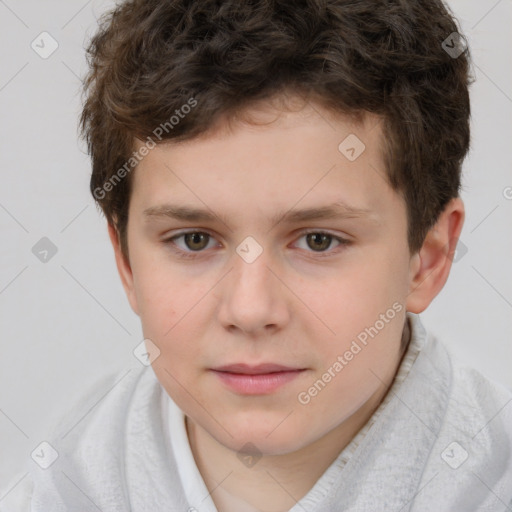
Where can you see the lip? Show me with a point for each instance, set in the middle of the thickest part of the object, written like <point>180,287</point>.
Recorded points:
<point>261,379</point>
<point>258,369</point>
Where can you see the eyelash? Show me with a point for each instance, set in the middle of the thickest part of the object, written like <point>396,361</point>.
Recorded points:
<point>195,254</point>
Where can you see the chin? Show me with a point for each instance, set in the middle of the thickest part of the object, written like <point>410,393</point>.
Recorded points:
<point>261,445</point>
<point>277,439</point>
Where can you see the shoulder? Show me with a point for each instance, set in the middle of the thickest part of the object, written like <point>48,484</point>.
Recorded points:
<point>473,399</point>
<point>485,404</point>
<point>17,495</point>
<point>471,456</point>
<point>109,396</point>
<point>470,394</point>
<point>478,396</point>
<point>87,437</point>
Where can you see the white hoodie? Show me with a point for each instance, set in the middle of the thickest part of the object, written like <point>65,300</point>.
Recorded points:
<point>441,441</point>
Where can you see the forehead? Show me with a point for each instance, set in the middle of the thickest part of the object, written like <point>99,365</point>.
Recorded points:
<point>270,160</point>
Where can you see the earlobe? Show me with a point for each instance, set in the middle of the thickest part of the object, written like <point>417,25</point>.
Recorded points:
<point>430,267</point>
<point>124,268</point>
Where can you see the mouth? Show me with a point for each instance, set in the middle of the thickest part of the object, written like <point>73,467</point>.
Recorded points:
<point>261,379</point>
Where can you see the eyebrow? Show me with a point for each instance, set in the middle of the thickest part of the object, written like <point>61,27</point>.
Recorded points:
<point>338,210</point>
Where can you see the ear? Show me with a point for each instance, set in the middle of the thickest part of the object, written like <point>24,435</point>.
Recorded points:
<point>430,266</point>
<point>124,269</point>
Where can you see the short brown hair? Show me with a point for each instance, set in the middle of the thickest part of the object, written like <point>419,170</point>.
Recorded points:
<point>150,58</point>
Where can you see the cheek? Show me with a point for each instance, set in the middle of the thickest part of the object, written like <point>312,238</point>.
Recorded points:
<point>363,306</point>
<point>157,300</point>
<point>171,311</point>
<point>162,297</point>
<point>381,276</point>
<point>359,292</point>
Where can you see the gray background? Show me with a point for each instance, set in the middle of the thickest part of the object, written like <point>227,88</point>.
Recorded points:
<point>66,322</point>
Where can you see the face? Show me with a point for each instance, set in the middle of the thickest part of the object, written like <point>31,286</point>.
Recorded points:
<point>270,267</point>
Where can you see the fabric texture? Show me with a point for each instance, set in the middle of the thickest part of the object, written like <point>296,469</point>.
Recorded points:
<point>440,440</point>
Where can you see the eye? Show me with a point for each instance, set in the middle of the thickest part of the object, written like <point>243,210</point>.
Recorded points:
<point>191,243</point>
<point>320,241</point>
<point>194,241</point>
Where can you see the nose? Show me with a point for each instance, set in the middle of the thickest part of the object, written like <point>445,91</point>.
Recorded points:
<point>253,299</point>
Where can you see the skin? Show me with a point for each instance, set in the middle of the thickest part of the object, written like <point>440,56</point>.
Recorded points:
<point>298,304</point>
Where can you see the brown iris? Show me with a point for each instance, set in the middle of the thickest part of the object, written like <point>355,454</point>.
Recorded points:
<point>321,241</point>
<point>196,241</point>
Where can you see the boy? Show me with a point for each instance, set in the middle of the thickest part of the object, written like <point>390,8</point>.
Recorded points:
<point>280,182</point>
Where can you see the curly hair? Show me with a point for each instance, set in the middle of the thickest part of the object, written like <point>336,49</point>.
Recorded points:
<point>173,68</point>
